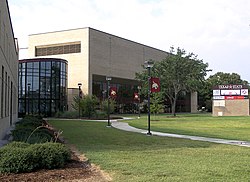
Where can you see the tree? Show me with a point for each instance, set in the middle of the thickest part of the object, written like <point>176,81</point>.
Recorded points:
<point>179,71</point>
<point>156,105</point>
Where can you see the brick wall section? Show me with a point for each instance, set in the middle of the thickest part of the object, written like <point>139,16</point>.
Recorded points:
<point>232,108</point>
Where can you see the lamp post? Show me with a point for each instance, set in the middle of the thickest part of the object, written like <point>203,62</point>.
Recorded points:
<point>139,101</point>
<point>148,65</point>
<point>79,92</point>
<point>108,79</point>
<point>28,98</point>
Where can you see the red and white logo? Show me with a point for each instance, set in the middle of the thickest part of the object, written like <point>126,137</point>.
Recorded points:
<point>136,96</point>
<point>155,85</point>
<point>113,92</point>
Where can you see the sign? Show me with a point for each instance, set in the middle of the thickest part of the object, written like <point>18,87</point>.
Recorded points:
<point>155,85</point>
<point>244,92</point>
<point>230,86</point>
<point>219,103</point>
<point>230,92</point>
<point>113,92</point>
<point>216,92</point>
<point>218,97</point>
<point>234,97</point>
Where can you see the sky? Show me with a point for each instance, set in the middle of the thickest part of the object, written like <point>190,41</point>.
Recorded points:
<point>218,31</point>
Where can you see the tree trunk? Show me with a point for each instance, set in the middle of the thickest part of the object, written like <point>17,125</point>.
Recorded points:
<point>174,105</point>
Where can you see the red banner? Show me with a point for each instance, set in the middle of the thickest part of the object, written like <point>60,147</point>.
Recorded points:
<point>113,92</point>
<point>136,96</point>
<point>80,94</point>
<point>155,85</point>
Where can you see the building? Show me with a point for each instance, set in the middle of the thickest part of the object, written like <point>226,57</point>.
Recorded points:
<point>93,55</point>
<point>42,86</point>
<point>8,71</point>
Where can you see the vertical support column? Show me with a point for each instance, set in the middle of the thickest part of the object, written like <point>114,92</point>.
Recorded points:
<point>194,102</point>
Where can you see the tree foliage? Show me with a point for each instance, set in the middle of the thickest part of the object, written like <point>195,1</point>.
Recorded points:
<point>156,103</point>
<point>179,71</point>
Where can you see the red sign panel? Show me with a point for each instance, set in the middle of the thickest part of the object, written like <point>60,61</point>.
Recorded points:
<point>155,85</point>
<point>113,92</point>
<point>234,97</point>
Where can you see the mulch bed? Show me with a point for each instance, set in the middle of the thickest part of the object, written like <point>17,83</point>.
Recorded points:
<point>75,170</point>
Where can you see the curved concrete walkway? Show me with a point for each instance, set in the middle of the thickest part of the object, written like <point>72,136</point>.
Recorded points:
<point>126,127</point>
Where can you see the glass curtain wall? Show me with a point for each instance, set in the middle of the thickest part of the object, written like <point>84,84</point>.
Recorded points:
<point>42,86</point>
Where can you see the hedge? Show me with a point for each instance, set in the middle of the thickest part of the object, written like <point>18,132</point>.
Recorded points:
<point>19,157</point>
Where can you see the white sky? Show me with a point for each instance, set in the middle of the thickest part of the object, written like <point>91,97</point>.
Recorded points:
<point>217,31</point>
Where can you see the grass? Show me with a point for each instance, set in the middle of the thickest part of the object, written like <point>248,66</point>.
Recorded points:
<point>135,157</point>
<point>235,127</point>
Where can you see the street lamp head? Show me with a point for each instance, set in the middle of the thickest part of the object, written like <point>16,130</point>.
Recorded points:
<point>149,63</point>
<point>108,78</point>
<point>79,84</point>
<point>28,84</point>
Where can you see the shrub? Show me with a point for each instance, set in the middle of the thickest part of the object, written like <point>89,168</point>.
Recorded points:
<point>50,155</point>
<point>17,145</point>
<point>16,160</point>
<point>87,105</point>
<point>31,121</point>
<point>69,114</point>
<point>31,135</point>
<point>101,115</point>
<point>104,105</point>
<point>32,129</point>
<point>19,157</point>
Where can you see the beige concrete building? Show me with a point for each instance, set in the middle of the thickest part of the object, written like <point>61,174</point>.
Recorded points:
<point>8,71</point>
<point>92,55</point>
<point>100,54</point>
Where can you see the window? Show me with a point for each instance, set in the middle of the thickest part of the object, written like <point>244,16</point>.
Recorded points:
<point>68,48</point>
<point>5,96</point>
<point>44,94</point>
<point>2,91</point>
<point>8,97</point>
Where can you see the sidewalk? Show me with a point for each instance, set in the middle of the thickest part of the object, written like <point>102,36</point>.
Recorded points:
<point>126,127</point>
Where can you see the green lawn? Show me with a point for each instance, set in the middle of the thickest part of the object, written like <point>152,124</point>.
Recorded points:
<point>136,157</point>
<point>199,125</point>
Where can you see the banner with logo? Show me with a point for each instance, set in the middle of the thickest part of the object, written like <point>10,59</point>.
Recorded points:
<point>80,93</point>
<point>155,85</point>
<point>113,92</point>
<point>136,96</point>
